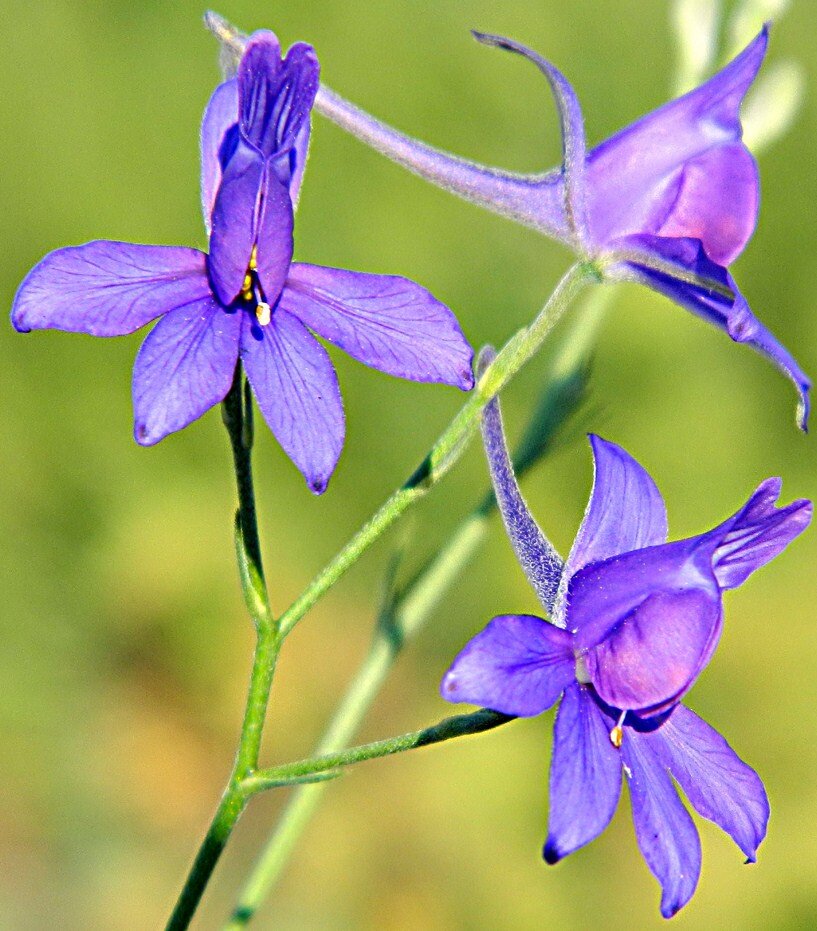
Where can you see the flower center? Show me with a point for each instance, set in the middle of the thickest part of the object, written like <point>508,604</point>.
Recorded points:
<point>251,291</point>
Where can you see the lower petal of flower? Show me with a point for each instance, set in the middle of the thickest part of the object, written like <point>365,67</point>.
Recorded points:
<point>298,393</point>
<point>184,367</point>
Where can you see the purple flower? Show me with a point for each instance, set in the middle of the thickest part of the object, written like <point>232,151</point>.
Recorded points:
<point>670,201</point>
<point>633,622</point>
<point>247,300</point>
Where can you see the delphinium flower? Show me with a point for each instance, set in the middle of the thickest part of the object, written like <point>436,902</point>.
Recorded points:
<point>670,201</point>
<point>633,622</point>
<point>247,299</point>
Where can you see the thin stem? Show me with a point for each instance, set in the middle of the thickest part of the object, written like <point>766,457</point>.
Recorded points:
<point>450,445</point>
<point>460,725</point>
<point>406,611</point>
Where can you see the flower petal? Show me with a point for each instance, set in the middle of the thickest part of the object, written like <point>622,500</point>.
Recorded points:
<point>574,151</point>
<point>235,222</point>
<point>275,243</point>
<point>666,835</point>
<point>185,366</point>
<point>585,775</point>
<point>635,178</point>
<point>297,391</point>
<point>519,664</point>
<point>276,97</point>
<point>720,786</point>
<point>625,512</point>
<point>735,318</point>
<point>219,136</point>
<point>297,160</point>
<point>757,533</point>
<point>384,321</point>
<point>539,560</point>
<point>108,288</point>
<point>655,654</point>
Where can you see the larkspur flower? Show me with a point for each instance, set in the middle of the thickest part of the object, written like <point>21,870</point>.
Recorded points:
<point>670,201</point>
<point>634,621</point>
<point>247,299</point>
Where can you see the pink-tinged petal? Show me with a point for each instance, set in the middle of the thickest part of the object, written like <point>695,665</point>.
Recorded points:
<point>219,129</point>
<point>665,832</point>
<point>235,222</point>
<point>185,366</point>
<point>108,288</point>
<point>539,560</point>
<point>719,785</point>
<point>275,231</point>
<point>276,97</point>
<point>655,654</point>
<point>297,390</point>
<point>757,533</point>
<point>384,321</point>
<point>735,317</point>
<point>585,775</point>
<point>625,512</point>
<point>635,178</point>
<point>519,664</point>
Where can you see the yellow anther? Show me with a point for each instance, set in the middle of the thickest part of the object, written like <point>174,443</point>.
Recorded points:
<point>254,258</point>
<point>617,736</point>
<point>246,287</point>
<point>263,313</point>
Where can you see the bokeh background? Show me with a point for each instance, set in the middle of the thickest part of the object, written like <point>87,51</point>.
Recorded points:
<point>124,645</point>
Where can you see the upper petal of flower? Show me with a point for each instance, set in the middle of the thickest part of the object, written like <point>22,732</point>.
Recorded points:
<point>297,390</point>
<point>720,786</point>
<point>757,533</point>
<point>275,96</point>
<point>652,174</point>
<point>538,558</point>
<point>732,316</point>
<point>108,288</point>
<point>384,321</point>
<point>585,774</point>
<point>665,832</point>
<point>519,664</point>
<point>184,367</point>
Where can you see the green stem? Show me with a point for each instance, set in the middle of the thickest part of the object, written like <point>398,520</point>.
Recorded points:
<point>450,445</point>
<point>237,414</point>
<point>460,725</point>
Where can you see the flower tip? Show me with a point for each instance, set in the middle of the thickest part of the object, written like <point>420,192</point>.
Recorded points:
<point>551,853</point>
<point>466,380</point>
<point>488,38</point>
<point>143,436</point>
<point>317,485</point>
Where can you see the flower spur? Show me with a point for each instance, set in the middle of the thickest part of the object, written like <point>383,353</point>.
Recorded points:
<point>633,622</point>
<point>247,299</point>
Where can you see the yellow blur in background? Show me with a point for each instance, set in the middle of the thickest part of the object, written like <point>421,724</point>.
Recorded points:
<point>124,644</point>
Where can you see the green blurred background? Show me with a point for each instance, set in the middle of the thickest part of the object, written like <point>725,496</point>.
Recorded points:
<point>125,645</point>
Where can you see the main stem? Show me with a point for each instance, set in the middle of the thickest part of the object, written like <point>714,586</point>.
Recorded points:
<point>237,414</point>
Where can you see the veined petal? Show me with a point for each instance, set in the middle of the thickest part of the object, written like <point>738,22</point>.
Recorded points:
<point>585,774</point>
<point>276,96</point>
<point>733,317</point>
<point>519,664</point>
<point>384,321</point>
<point>275,242</point>
<point>635,178</point>
<point>720,786</point>
<point>108,288</point>
<point>666,835</point>
<point>184,367</point>
<point>574,150</point>
<point>297,162</point>
<point>539,560</point>
<point>235,221</point>
<point>625,512</point>
<point>757,533</point>
<point>655,653</point>
<point>219,136</point>
<point>297,391</point>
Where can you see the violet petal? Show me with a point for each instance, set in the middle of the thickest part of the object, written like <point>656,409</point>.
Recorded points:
<point>719,785</point>
<point>384,321</point>
<point>184,367</point>
<point>297,390</point>
<point>108,288</point>
<point>217,142</point>
<point>666,834</point>
<point>519,664</point>
<point>585,774</point>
